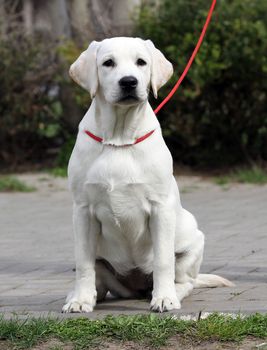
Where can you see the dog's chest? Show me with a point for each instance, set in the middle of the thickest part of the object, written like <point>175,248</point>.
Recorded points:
<point>118,190</point>
<point>118,187</point>
<point>116,166</point>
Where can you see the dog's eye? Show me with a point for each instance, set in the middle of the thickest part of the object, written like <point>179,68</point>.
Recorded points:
<point>109,63</point>
<point>140,62</point>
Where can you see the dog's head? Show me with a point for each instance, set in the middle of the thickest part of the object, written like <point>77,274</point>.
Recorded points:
<point>123,69</point>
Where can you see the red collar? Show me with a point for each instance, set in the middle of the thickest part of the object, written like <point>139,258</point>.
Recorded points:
<point>99,139</point>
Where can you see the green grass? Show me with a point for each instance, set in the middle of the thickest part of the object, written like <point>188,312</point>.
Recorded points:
<point>254,175</point>
<point>189,189</point>
<point>59,171</point>
<point>150,330</point>
<point>12,184</point>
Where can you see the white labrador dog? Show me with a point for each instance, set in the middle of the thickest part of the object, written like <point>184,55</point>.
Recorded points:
<point>127,215</point>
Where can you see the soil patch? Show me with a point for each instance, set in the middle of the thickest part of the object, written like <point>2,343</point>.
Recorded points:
<point>174,343</point>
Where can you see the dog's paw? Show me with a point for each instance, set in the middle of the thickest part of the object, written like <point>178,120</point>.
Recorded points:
<point>76,306</point>
<point>82,303</point>
<point>164,304</point>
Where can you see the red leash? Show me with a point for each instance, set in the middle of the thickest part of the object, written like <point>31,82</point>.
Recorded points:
<point>176,86</point>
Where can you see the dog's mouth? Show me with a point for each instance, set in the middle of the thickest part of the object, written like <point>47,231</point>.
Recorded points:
<point>128,99</point>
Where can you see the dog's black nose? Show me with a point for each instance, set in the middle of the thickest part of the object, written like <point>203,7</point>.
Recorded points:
<point>128,82</point>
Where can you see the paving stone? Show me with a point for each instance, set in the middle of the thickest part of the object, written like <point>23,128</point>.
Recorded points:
<point>37,259</point>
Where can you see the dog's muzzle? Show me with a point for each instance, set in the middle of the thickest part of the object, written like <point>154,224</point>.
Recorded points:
<point>128,86</point>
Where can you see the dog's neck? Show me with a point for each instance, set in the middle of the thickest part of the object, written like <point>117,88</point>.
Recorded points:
<point>119,125</point>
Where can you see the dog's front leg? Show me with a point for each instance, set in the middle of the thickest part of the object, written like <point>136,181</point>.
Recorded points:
<point>86,230</point>
<point>162,227</point>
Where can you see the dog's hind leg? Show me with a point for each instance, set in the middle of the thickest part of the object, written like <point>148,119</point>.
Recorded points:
<point>183,290</point>
<point>187,265</point>
<point>187,262</point>
<point>189,247</point>
<point>186,271</point>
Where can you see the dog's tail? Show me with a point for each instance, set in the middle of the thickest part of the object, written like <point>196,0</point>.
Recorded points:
<point>211,281</point>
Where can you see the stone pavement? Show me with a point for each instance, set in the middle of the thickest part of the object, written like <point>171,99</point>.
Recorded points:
<point>36,249</point>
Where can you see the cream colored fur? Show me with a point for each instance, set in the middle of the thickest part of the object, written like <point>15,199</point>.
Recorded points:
<point>126,204</point>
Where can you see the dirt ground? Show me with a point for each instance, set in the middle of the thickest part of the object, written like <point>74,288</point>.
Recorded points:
<point>173,344</point>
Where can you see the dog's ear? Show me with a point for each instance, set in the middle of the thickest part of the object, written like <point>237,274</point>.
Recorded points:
<point>161,69</point>
<point>84,70</point>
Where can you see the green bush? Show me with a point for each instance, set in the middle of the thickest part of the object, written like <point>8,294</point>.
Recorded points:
<point>65,152</point>
<point>68,53</point>
<point>29,106</point>
<point>37,99</point>
<point>219,114</point>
